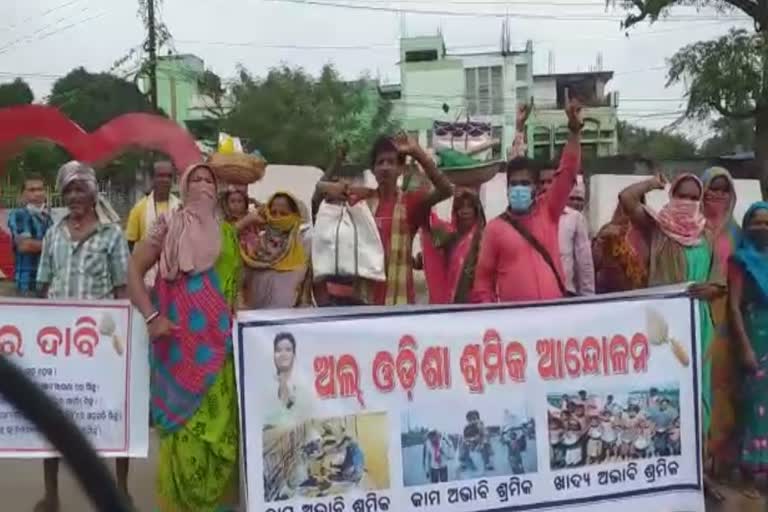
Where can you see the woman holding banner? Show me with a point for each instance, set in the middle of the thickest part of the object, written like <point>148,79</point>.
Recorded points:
<point>192,387</point>
<point>682,253</point>
<point>748,294</point>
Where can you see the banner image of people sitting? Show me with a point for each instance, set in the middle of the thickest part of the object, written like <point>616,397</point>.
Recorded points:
<point>594,428</point>
<point>326,457</point>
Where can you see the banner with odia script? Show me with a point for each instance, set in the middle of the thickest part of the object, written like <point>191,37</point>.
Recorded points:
<point>91,358</point>
<point>578,405</point>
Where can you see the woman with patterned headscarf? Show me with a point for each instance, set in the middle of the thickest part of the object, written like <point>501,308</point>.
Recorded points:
<point>274,253</point>
<point>682,252</point>
<point>723,234</point>
<point>192,386</point>
<point>748,294</point>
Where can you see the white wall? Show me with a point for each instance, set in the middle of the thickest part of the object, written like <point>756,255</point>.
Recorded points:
<point>545,92</point>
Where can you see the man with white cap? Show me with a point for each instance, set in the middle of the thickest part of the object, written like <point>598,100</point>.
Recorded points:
<point>84,257</point>
<point>575,245</point>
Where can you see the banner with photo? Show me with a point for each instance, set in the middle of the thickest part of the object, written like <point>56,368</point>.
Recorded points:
<point>584,404</point>
<point>91,358</point>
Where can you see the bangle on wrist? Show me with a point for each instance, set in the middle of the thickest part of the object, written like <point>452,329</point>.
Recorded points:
<point>149,319</point>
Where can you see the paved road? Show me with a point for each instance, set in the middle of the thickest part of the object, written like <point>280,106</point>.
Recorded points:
<point>21,485</point>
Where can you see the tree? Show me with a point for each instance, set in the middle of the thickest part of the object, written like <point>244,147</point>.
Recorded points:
<point>92,99</point>
<point>732,136</point>
<point>653,144</point>
<point>294,118</point>
<point>17,92</point>
<point>727,76</point>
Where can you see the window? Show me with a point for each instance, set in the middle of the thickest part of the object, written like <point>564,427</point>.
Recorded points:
<point>421,56</point>
<point>522,95</point>
<point>542,152</point>
<point>497,133</point>
<point>484,90</point>
<point>521,72</point>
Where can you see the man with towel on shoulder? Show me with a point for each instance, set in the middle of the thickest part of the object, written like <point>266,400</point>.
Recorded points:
<point>150,207</point>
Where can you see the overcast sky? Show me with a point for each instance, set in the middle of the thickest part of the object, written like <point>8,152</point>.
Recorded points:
<point>43,39</point>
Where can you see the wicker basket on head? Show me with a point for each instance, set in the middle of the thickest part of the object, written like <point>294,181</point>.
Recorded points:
<point>238,168</point>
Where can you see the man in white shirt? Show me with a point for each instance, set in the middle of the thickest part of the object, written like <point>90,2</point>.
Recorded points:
<point>576,247</point>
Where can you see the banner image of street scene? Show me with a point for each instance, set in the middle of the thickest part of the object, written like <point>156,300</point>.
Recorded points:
<point>456,444</point>
<point>326,457</point>
<point>587,428</point>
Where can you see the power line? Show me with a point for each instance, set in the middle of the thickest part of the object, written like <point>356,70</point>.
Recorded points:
<point>41,34</point>
<point>532,16</point>
<point>41,15</point>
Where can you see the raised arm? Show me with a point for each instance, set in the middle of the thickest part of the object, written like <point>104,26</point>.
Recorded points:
<point>519,147</point>
<point>632,198</point>
<point>442,187</point>
<point>330,172</point>
<point>570,163</point>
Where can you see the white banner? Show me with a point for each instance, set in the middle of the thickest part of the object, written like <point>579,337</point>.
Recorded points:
<point>91,357</point>
<point>588,404</point>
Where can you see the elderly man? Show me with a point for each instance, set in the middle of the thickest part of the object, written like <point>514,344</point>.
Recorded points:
<point>84,257</point>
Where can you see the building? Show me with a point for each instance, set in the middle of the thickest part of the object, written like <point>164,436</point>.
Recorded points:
<point>179,96</point>
<point>437,86</point>
<point>548,125</point>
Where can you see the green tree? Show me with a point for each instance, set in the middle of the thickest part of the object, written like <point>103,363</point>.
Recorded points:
<point>731,136</point>
<point>728,75</point>
<point>17,92</point>
<point>653,144</point>
<point>92,99</point>
<point>292,117</point>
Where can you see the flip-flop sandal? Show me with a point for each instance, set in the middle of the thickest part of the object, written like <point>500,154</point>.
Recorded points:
<point>752,494</point>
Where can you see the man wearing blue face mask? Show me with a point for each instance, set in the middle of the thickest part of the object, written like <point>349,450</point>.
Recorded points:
<point>520,257</point>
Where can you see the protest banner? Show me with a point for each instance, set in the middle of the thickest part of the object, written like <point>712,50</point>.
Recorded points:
<point>89,356</point>
<point>579,404</point>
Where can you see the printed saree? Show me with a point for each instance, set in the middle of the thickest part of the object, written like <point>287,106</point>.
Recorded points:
<point>194,399</point>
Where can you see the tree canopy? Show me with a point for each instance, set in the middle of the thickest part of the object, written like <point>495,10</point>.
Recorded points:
<point>17,92</point>
<point>653,144</point>
<point>295,118</point>
<point>92,99</point>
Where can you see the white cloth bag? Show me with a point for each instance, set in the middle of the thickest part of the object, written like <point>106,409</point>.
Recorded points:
<point>346,242</point>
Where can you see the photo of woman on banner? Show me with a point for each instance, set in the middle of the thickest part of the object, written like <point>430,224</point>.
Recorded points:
<point>290,403</point>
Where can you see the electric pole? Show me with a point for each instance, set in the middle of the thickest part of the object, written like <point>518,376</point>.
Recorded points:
<point>152,51</point>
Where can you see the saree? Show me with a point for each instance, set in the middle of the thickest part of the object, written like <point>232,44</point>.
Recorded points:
<point>197,466</point>
<point>275,259</point>
<point>450,257</point>
<point>621,256</point>
<point>723,233</point>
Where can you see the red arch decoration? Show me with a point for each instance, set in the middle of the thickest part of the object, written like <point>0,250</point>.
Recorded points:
<point>23,124</point>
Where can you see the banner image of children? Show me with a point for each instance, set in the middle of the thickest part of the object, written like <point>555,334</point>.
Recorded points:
<point>326,457</point>
<point>587,428</point>
<point>446,446</point>
<point>290,400</point>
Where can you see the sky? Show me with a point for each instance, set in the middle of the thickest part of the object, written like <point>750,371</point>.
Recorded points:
<point>41,40</point>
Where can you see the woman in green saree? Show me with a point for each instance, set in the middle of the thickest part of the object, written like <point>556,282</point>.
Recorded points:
<point>682,253</point>
<point>192,387</point>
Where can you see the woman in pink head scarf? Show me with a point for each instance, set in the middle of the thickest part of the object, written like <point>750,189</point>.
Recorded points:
<point>192,387</point>
<point>682,253</point>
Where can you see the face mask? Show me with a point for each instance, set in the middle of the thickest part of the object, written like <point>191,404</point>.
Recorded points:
<point>716,204</point>
<point>759,238</point>
<point>520,197</point>
<point>685,207</point>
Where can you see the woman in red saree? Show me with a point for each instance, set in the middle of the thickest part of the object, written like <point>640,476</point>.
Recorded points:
<point>450,250</point>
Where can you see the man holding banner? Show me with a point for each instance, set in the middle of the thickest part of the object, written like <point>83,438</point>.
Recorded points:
<point>82,259</point>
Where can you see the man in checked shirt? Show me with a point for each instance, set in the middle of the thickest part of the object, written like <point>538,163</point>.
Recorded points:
<point>84,257</point>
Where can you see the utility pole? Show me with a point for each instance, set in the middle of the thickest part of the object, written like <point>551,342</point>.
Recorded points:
<point>152,51</point>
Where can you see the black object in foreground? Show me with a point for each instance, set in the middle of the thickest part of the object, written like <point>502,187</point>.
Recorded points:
<point>46,415</point>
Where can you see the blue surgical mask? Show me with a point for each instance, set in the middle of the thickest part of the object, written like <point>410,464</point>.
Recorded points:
<point>520,197</point>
